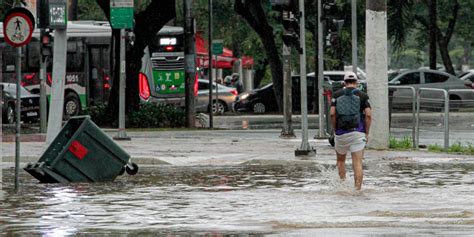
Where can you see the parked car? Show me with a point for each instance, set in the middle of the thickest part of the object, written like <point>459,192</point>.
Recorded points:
<point>223,97</point>
<point>467,76</point>
<point>426,78</point>
<point>262,100</point>
<point>29,104</point>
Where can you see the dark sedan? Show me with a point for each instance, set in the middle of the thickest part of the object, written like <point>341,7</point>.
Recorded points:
<point>29,104</point>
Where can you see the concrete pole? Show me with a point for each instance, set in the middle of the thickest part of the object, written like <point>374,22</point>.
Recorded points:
<point>322,126</point>
<point>304,149</point>
<point>211,118</point>
<point>17,118</point>
<point>287,131</point>
<point>121,134</point>
<point>43,98</point>
<point>354,36</point>
<point>56,108</point>
<point>190,67</point>
<point>377,66</point>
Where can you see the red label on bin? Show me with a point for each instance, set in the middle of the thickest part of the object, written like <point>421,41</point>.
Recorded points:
<point>78,149</point>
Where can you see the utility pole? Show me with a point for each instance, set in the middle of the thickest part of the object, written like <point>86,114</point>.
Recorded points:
<point>190,60</point>
<point>354,36</point>
<point>321,133</point>
<point>287,131</point>
<point>376,63</point>
<point>210,66</point>
<point>305,149</point>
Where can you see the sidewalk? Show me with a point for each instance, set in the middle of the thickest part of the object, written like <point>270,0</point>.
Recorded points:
<point>229,147</point>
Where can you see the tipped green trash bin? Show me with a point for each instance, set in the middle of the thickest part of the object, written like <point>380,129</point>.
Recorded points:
<point>81,153</point>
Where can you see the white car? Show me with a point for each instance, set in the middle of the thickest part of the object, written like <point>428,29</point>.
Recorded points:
<point>467,75</point>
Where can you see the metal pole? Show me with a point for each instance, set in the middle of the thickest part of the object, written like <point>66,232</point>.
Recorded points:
<point>354,36</point>
<point>43,99</point>
<point>322,133</point>
<point>17,118</point>
<point>417,121</point>
<point>305,149</point>
<point>210,66</point>
<point>287,131</point>
<point>446,120</point>
<point>121,134</point>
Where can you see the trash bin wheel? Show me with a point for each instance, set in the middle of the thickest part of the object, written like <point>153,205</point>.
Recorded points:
<point>122,171</point>
<point>133,170</point>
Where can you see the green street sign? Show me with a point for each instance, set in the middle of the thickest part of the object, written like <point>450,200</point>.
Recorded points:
<point>121,14</point>
<point>217,47</point>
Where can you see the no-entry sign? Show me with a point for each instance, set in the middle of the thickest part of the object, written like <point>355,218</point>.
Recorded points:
<point>18,27</point>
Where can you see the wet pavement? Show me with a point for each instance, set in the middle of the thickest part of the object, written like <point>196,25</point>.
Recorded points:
<point>246,183</point>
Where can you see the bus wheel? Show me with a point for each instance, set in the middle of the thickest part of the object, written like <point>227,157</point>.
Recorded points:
<point>72,105</point>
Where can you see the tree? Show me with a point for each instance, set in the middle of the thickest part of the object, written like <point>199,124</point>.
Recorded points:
<point>147,24</point>
<point>254,14</point>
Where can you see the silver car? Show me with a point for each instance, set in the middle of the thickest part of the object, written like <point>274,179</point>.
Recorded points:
<point>223,97</point>
<point>425,78</point>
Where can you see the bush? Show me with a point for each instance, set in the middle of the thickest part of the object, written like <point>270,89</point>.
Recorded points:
<point>100,116</point>
<point>157,116</point>
<point>405,143</point>
<point>149,116</point>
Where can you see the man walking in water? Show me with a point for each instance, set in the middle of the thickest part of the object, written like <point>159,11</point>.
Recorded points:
<point>351,116</point>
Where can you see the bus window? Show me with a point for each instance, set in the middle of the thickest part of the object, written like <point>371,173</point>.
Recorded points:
<point>75,59</point>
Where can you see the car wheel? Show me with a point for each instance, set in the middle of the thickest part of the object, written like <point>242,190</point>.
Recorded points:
<point>72,105</point>
<point>258,108</point>
<point>218,107</point>
<point>10,116</point>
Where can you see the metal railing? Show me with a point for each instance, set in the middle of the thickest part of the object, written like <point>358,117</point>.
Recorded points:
<point>446,115</point>
<point>413,108</point>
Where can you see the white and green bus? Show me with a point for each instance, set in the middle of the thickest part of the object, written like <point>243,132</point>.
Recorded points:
<point>87,68</point>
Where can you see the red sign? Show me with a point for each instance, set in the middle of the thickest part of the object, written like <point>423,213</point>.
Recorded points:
<point>78,150</point>
<point>18,27</point>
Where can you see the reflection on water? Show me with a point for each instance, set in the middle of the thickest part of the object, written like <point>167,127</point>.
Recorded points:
<point>405,197</point>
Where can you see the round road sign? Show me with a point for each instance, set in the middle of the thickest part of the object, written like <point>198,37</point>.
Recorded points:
<point>17,29</point>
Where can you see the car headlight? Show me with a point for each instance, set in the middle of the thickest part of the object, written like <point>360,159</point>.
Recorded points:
<point>244,96</point>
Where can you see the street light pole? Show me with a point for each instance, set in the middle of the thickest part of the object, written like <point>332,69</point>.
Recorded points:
<point>305,149</point>
<point>210,66</point>
<point>321,133</point>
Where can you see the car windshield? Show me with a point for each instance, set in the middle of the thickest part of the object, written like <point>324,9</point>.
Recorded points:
<point>11,88</point>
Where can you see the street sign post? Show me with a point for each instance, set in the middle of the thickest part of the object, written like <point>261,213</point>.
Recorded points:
<point>18,28</point>
<point>217,47</point>
<point>121,17</point>
<point>121,14</point>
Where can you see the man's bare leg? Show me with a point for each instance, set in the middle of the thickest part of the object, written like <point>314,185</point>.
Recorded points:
<point>341,165</point>
<point>357,166</point>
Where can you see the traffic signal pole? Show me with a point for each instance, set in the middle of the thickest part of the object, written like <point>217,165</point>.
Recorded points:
<point>322,132</point>
<point>121,134</point>
<point>305,149</point>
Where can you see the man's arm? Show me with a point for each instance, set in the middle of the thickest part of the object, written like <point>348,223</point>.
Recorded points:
<point>333,117</point>
<point>368,120</point>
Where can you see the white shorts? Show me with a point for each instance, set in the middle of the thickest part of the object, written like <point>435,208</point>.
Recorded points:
<point>353,142</point>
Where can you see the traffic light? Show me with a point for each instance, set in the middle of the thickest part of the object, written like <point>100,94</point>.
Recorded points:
<point>46,44</point>
<point>289,17</point>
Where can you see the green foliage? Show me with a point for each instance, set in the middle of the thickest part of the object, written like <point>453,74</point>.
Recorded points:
<point>455,148</point>
<point>89,10</point>
<point>156,116</point>
<point>405,143</point>
<point>149,116</point>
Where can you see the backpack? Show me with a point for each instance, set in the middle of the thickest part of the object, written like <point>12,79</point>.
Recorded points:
<point>348,110</point>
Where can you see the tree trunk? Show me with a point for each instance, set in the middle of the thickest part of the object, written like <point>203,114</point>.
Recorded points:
<point>432,32</point>
<point>253,13</point>
<point>443,40</point>
<point>260,74</point>
<point>72,12</point>
<point>147,25</point>
<point>376,65</point>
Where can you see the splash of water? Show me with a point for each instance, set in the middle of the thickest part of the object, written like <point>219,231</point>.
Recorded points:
<point>330,178</point>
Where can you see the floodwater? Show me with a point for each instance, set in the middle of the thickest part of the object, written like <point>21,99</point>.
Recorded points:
<point>399,198</point>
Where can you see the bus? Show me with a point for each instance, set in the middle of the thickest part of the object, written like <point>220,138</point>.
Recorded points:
<point>162,77</point>
<point>88,71</point>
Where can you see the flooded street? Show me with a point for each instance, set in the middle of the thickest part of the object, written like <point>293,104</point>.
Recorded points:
<point>398,198</point>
